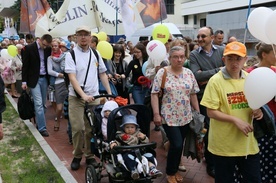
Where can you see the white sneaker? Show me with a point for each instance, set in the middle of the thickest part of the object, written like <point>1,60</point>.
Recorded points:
<point>155,173</point>
<point>182,168</point>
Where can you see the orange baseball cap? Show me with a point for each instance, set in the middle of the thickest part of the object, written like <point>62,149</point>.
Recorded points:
<point>235,48</point>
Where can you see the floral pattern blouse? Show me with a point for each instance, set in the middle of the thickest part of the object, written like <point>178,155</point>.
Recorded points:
<point>176,106</point>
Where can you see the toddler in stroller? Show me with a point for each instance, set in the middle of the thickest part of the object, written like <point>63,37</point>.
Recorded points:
<point>109,165</point>
<point>107,108</point>
<point>131,135</point>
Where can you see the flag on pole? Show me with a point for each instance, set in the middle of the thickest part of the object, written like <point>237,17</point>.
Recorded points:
<point>31,12</point>
<point>141,14</point>
<point>110,16</point>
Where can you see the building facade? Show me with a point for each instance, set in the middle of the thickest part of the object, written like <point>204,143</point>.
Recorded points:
<point>227,15</point>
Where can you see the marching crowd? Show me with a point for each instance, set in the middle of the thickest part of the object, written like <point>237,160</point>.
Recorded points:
<point>203,75</point>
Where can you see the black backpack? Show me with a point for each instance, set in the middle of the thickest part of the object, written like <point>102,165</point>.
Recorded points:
<point>25,106</point>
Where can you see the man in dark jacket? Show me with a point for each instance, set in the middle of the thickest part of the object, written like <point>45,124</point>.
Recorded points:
<point>35,76</point>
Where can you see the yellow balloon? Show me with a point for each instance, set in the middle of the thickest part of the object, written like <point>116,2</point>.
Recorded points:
<point>161,33</point>
<point>102,36</point>
<point>12,50</point>
<point>94,34</point>
<point>105,49</point>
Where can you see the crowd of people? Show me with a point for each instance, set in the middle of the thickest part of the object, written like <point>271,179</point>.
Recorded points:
<point>204,75</point>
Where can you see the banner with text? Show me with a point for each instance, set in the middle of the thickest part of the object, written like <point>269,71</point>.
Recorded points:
<point>114,17</point>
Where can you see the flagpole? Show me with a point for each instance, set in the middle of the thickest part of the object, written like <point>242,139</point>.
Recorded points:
<point>116,18</point>
<point>161,11</point>
<point>248,12</point>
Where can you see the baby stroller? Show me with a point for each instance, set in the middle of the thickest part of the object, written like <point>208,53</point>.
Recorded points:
<point>108,165</point>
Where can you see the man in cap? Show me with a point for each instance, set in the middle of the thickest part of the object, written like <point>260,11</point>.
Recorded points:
<point>231,137</point>
<point>83,74</point>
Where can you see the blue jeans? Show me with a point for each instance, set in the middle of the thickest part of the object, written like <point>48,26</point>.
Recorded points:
<point>39,93</point>
<point>176,136</point>
<point>139,93</point>
<point>248,167</point>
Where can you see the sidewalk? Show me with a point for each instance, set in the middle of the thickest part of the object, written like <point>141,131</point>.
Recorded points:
<point>59,151</point>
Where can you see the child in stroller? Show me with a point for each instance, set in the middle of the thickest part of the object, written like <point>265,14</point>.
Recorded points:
<point>107,108</point>
<point>131,135</point>
<point>107,158</point>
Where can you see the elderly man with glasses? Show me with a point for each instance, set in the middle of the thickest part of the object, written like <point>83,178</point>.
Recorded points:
<point>204,63</point>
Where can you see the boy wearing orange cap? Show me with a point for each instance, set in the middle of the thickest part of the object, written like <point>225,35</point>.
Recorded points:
<point>230,135</point>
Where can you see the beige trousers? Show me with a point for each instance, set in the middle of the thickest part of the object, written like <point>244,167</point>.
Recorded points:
<point>81,129</point>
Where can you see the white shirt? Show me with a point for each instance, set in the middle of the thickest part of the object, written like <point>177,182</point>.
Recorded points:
<point>80,69</point>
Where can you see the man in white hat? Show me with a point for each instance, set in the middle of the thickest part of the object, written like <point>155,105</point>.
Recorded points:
<point>84,69</point>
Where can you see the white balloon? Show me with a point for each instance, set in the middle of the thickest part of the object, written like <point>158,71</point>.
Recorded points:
<point>4,53</point>
<point>270,27</point>
<point>256,23</point>
<point>156,50</point>
<point>259,87</point>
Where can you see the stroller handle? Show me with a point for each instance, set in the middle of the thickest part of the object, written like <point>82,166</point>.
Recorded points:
<point>122,148</point>
<point>101,96</point>
<point>104,95</point>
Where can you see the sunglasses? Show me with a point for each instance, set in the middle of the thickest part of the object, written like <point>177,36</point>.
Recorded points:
<point>202,36</point>
<point>169,40</point>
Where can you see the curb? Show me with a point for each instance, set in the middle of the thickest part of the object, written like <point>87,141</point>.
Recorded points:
<point>63,171</point>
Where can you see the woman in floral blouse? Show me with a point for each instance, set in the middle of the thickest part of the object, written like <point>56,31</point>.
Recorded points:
<point>176,107</point>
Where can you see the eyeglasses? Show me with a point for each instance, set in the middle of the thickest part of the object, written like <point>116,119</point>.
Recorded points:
<point>202,36</point>
<point>44,44</point>
<point>83,35</point>
<point>169,40</point>
<point>175,57</point>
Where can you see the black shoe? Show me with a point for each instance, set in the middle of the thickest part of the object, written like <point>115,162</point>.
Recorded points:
<point>91,161</point>
<point>44,133</point>
<point>156,128</point>
<point>75,165</point>
<point>70,141</point>
<point>211,172</point>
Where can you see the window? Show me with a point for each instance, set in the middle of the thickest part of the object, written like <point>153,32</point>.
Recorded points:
<point>186,19</point>
<point>203,22</point>
<point>169,6</point>
<point>195,19</point>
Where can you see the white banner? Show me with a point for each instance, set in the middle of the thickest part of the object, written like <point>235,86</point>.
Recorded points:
<point>76,13</point>
<point>101,15</point>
